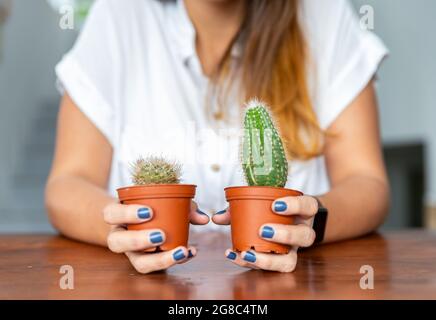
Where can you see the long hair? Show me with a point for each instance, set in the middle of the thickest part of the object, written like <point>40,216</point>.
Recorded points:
<point>273,67</point>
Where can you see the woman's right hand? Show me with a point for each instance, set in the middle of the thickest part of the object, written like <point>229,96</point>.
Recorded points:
<point>133,242</point>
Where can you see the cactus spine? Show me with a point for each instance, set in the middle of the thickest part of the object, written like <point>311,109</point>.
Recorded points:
<point>263,156</point>
<point>155,170</point>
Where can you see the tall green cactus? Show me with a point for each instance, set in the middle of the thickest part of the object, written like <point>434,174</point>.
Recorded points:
<point>263,156</point>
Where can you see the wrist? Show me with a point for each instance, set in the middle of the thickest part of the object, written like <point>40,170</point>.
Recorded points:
<point>320,222</point>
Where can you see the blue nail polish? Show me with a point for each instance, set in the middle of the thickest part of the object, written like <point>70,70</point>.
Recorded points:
<point>201,212</point>
<point>231,255</point>
<point>221,212</point>
<point>250,257</point>
<point>280,206</point>
<point>143,213</point>
<point>267,232</point>
<point>179,255</point>
<point>190,255</point>
<point>156,237</point>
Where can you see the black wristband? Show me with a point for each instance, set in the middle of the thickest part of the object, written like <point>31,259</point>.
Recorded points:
<point>320,222</point>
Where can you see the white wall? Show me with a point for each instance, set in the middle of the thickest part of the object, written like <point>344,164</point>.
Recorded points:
<point>407,85</point>
<point>33,43</point>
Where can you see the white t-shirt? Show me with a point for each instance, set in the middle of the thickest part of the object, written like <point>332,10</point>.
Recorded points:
<point>135,74</point>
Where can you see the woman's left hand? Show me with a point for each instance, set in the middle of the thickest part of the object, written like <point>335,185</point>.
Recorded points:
<point>300,234</point>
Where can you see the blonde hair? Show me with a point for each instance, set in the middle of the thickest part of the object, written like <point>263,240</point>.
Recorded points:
<point>273,68</point>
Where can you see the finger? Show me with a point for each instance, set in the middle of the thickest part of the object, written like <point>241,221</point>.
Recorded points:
<point>192,252</point>
<point>272,262</point>
<point>121,240</point>
<point>295,235</point>
<point>116,213</point>
<point>146,263</point>
<point>304,220</point>
<point>222,217</point>
<point>196,216</point>
<point>236,258</point>
<point>304,206</point>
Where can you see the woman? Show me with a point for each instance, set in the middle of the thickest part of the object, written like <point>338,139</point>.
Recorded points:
<point>150,76</point>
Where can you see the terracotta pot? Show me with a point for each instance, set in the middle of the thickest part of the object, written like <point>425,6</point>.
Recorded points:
<point>250,208</point>
<point>171,204</point>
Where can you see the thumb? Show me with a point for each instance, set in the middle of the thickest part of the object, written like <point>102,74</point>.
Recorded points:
<point>222,217</point>
<point>196,216</point>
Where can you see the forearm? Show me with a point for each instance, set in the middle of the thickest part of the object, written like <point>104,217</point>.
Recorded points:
<point>357,206</point>
<point>75,208</point>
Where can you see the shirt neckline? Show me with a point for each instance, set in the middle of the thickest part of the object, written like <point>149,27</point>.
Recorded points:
<point>185,35</point>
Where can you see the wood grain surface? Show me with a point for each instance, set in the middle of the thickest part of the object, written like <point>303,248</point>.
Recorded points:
<point>404,266</point>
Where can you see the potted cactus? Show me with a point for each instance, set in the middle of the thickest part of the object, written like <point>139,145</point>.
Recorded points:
<point>265,168</point>
<point>157,185</point>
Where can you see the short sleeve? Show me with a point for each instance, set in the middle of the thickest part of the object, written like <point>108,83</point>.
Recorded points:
<point>347,56</point>
<point>88,73</point>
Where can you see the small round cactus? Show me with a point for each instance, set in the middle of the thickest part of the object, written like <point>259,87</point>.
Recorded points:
<point>155,170</point>
<point>263,156</point>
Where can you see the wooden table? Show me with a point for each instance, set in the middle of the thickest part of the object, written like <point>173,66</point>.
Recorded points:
<point>404,266</point>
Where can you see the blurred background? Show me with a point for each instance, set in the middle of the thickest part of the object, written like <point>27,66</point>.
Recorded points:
<point>32,41</point>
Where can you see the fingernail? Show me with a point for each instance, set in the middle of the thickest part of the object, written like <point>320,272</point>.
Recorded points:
<point>250,257</point>
<point>231,255</point>
<point>221,212</point>
<point>267,232</point>
<point>201,212</point>
<point>143,213</point>
<point>179,255</point>
<point>190,255</point>
<point>280,206</point>
<point>156,237</point>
